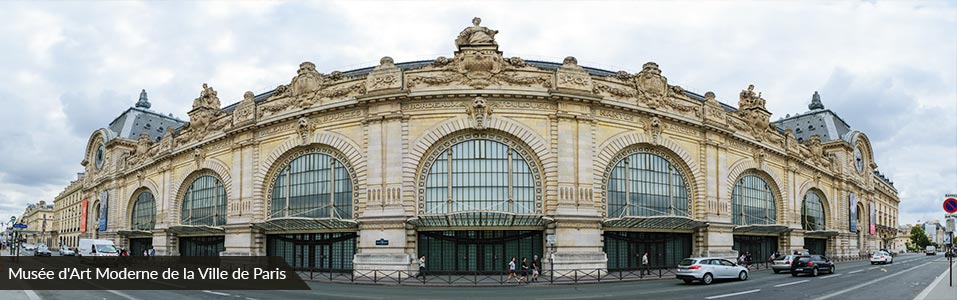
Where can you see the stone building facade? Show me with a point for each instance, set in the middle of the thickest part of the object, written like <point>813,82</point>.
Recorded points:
<point>41,223</point>
<point>69,210</point>
<point>477,157</point>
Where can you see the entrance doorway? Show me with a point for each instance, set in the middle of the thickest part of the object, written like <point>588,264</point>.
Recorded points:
<point>139,244</point>
<point>816,246</point>
<point>314,251</point>
<point>625,249</point>
<point>760,247</point>
<point>483,251</point>
<point>202,245</point>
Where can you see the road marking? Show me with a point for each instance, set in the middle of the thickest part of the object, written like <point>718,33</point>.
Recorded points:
<point>733,294</point>
<point>830,276</point>
<point>32,295</point>
<point>852,272</point>
<point>923,294</point>
<point>216,293</point>
<point>872,268</point>
<point>792,283</point>
<point>870,282</point>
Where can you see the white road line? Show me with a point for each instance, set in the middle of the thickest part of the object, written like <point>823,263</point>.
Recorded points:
<point>216,293</point>
<point>830,276</point>
<point>870,282</point>
<point>923,294</point>
<point>733,294</point>
<point>872,268</point>
<point>32,295</point>
<point>852,272</point>
<point>792,283</point>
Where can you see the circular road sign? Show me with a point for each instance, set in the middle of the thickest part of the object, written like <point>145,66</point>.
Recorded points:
<point>950,205</point>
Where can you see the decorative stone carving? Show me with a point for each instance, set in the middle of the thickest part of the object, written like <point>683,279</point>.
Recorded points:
<point>814,154</point>
<point>306,82</point>
<point>480,112</point>
<point>477,65</point>
<point>573,77</point>
<point>754,118</point>
<point>142,150</point>
<point>303,130</point>
<point>652,87</point>
<point>748,99</point>
<point>476,35</point>
<point>714,113</point>
<point>385,77</point>
<point>245,112</point>
<point>199,154</point>
<point>207,98</point>
<point>653,128</point>
<point>759,156</point>
<point>166,143</point>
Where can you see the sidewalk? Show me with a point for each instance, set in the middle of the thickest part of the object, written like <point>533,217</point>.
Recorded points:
<point>939,289</point>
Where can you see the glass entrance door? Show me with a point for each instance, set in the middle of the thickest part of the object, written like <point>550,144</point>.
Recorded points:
<point>483,251</point>
<point>202,245</point>
<point>625,249</point>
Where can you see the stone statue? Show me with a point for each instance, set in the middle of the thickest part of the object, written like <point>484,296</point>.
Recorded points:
<point>476,35</point>
<point>479,111</point>
<point>207,98</point>
<point>748,99</point>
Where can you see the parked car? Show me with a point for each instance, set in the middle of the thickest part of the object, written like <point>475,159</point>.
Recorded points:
<point>42,250</point>
<point>707,269</point>
<point>28,247</point>
<point>92,247</point>
<point>811,264</point>
<point>64,251</point>
<point>782,263</point>
<point>881,257</point>
<point>930,250</point>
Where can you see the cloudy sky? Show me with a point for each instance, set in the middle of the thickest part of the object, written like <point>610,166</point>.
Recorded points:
<point>888,68</point>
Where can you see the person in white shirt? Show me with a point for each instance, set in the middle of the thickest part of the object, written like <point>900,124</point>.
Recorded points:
<point>644,264</point>
<point>511,271</point>
<point>421,267</point>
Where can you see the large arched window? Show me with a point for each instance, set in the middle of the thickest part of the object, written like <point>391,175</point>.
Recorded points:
<point>812,212</point>
<point>205,202</point>
<point>752,201</point>
<point>144,212</point>
<point>313,185</point>
<point>480,175</point>
<point>645,184</point>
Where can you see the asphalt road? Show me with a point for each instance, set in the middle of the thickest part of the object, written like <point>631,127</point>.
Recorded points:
<point>904,279</point>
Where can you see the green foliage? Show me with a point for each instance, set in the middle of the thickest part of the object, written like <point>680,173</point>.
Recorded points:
<point>919,238</point>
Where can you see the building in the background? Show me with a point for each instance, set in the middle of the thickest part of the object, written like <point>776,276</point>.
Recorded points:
<point>68,206</point>
<point>477,157</point>
<point>41,223</point>
<point>902,240</point>
<point>934,231</point>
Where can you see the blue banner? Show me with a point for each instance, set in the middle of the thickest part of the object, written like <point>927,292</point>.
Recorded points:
<point>104,204</point>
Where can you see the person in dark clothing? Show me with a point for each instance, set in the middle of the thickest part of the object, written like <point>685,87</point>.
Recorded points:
<point>524,270</point>
<point>536,268</point>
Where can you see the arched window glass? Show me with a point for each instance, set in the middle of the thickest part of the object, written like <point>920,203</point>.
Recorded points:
<point>812,212</point>
<point>144,212</point>
<point>480,175</point>
<point>205,202</point>
<point>752,202</point>
<point>645,184</point>
<point>313,185</point>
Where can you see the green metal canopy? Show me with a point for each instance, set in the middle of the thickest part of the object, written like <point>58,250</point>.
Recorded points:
<point>303,223</point>
<point>135,233</point>
<point>196,229</point>
<point>655,222</point>
<point>762,229</point>
<point>821,233</point>
<point>480,219</point>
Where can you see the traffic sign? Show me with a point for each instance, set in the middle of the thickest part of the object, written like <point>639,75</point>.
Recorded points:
<point>950,205</point>
<point>19,225</point>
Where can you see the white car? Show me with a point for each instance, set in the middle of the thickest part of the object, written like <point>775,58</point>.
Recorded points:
<point>881,257</point>
<point>64,251</point>
<point>707,269</point>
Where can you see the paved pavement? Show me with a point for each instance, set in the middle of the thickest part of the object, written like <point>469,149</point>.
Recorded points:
<point>905,279</point>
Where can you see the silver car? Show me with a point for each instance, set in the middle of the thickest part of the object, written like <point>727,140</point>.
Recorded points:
<point>64,251</point>
<point>707,269</point>
<point>782,263</point>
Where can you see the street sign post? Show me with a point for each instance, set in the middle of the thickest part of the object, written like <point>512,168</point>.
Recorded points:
<point>950,205</point>
<point>20,225</point>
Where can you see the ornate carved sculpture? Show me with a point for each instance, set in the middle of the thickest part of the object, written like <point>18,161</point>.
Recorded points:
<point>303,130</point>
<point>166,143</point>
<point>652,87</point>
<point>759,156</point>
<point>245,112</point>
<point>814,154</point>
<point>386,76</point>
<point>748,99</point>
<point>476,35</point>
<point>573,77</point>
<point>142,150</point>
<point>207,98</point>
<point>306,81</point>
<point>713,112</point>
<point>205,117</point>
<point>480,112</point>
<point>199,154</point>
<point>653,128</point>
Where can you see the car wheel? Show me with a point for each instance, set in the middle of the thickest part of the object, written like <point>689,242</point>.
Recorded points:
<point>707,278</point>
<point>688,281</point>
<point>777,271</point>
<point>814,272</point>
<point>833,269</point>
<point>743,276</point>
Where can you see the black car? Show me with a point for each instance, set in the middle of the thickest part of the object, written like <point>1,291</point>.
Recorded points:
<point>811,264</point>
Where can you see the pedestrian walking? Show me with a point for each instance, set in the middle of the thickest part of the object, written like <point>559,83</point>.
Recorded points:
<point>511,270</point>
<point>421,268</point>
<point>536,268</point>
<point>748,259</point>
<point>524,271</point>
<point>644,264</point>
<point>149,251</point>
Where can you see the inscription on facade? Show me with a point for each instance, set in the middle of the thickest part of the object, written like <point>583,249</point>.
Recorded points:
<point>618,115</point>
<point>524,105</point>
<point>432,105</point>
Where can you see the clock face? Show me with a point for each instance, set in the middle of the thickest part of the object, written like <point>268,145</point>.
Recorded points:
<point>859,159</point>
<point>100,152</point>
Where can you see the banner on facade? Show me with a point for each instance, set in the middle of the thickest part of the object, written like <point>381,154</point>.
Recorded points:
<point>852,204</point>
<point>83,210</point>
<point>104,205</point>
<point>873,217</point>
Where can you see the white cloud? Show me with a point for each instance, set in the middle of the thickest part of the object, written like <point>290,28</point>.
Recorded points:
<point>888,68</point>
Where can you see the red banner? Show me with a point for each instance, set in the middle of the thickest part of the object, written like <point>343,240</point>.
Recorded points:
<point>83,214</point>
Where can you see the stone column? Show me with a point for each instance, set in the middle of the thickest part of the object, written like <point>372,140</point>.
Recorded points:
<point>717,239</point>
<point>577,220</point>
<point>241,236</point>
<point>383,219</point>
<point>165,243</point>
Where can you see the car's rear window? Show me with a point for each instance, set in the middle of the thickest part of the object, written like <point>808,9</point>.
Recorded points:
<point>804,259</point>
<point>687,262</point>
<point>782,257</point>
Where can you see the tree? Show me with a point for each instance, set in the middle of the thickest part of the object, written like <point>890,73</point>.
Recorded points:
<point>919,238</point>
